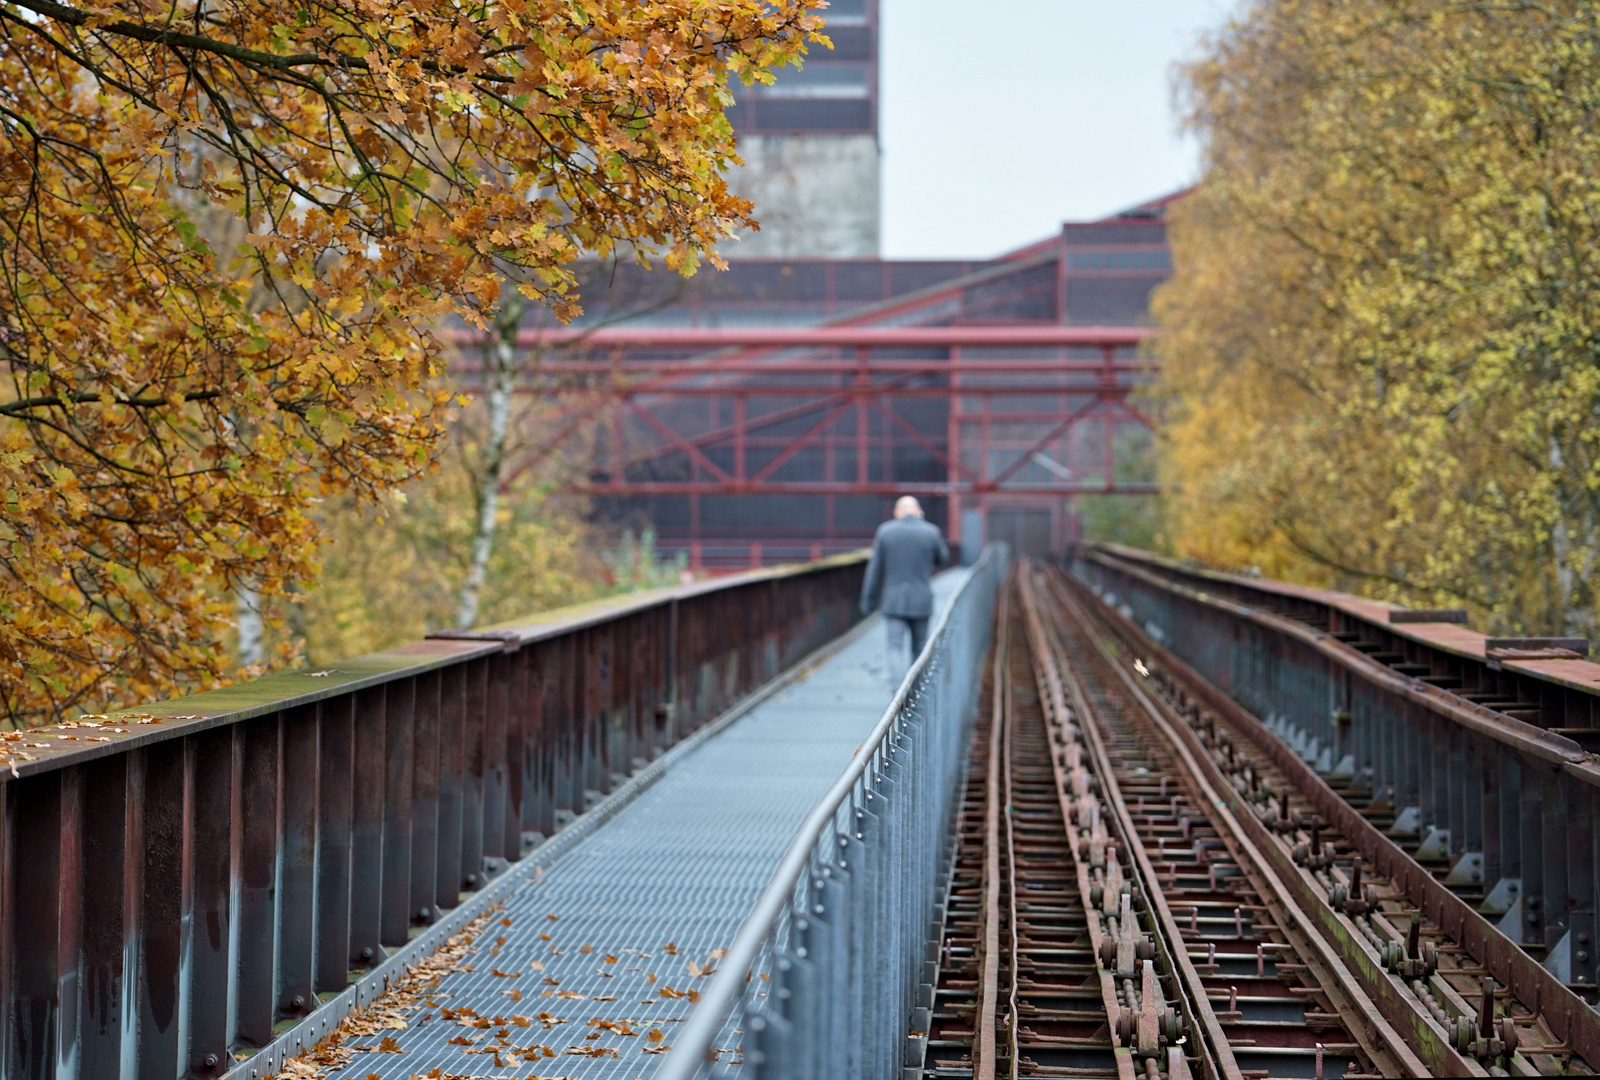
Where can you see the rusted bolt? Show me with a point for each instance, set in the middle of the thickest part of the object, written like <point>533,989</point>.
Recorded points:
<point>299,1002</point>
<point>210,1061</point>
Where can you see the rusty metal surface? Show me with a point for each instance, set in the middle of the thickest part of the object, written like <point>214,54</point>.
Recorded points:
<point>1568,689</point>
<point>180,882</point>
<point>1567,1016</point>
<point>1525,737</point>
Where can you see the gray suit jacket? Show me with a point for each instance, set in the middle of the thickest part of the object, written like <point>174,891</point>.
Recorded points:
<point>904,553</point>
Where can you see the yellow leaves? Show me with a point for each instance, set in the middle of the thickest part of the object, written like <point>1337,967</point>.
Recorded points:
<point>1377,345</point>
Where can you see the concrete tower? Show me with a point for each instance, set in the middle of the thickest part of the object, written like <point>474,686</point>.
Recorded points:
<point>810,145</point>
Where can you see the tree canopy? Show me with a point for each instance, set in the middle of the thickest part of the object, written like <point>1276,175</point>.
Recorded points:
<point>1382,341</point>
<point>227,230</point>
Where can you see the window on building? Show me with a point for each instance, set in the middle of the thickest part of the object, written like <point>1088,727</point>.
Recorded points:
<point>1119,260</point>
<point>818,79</point>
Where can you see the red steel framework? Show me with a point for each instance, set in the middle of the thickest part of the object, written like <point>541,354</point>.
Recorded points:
<point>973,414</point>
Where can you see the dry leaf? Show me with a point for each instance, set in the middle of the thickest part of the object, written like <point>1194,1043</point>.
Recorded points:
<point>593,1051</point>
<point>388,1045</point>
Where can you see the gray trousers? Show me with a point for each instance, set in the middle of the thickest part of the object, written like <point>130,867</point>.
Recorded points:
<point>906,639</point>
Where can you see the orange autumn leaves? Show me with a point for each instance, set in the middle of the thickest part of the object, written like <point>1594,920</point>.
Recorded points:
<point>223,251</point>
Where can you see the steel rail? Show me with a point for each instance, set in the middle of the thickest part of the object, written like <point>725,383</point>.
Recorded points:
<point>989,973</point>
<point>1121,1050</point>
<point>1565,1015</point>
<point>1008,722</point>
<point>695,1040</point>
<point>1196,1005</point>
<point>1260,852</point>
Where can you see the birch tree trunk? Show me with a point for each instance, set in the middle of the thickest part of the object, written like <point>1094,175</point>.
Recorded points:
<point>247,615</point>
<point>499,375</point>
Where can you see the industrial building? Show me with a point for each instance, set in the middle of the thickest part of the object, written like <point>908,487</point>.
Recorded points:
<point>678,410</point>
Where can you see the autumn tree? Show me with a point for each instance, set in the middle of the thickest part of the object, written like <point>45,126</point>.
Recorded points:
<point>173,407</point>
<point>1381,347</point>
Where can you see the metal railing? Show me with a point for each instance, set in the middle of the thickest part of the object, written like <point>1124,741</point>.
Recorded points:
<point>822,979</point>
<point>180,885</point>
<point>1405,724</point>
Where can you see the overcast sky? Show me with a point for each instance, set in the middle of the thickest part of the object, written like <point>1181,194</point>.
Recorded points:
<point>1002,118</point>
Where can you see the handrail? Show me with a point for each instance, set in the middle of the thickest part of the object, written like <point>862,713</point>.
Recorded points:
<point>696,1038</point>
<point>314,821</point>
<point>193,713</point>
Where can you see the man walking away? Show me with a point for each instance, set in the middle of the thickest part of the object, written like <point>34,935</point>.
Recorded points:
<point>904,553</point>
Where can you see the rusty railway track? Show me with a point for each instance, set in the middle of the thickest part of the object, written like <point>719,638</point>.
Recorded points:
<point>1141,891</point>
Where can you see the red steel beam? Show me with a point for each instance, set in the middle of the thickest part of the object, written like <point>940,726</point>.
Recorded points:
<point>689,367</point>
<point>705,338</point>
<point>885,390</point>
<point>871,487</point>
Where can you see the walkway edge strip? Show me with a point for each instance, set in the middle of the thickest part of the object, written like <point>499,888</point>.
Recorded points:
<point>362,993</point>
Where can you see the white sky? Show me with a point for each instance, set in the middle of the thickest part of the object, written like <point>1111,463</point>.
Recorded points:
<point>1002,118</point>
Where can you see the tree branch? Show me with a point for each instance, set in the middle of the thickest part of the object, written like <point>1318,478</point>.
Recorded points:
<point>20,408</point>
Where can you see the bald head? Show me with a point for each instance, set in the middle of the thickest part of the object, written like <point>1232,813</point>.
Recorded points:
<point>907,506</point>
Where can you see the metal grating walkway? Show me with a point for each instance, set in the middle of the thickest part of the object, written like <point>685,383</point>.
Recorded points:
<point>679,866</point>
